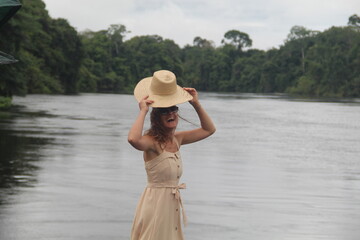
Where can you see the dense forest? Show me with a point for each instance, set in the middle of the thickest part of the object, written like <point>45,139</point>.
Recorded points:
<point>55,58</point>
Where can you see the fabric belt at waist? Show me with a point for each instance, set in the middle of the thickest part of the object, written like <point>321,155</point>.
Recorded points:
<point>176,192</point>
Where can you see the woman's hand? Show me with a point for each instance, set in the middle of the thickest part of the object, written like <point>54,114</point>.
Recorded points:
<point>193,93</point>
<point>145,103</point>
<point>207,126</point>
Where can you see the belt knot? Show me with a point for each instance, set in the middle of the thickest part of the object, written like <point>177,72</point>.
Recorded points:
<point>177,196</point>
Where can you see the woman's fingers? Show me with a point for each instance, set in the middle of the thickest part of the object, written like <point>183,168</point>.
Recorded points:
<point>145,102</point>
<point>193,93</point>
<point>149,101</point>
<point>190,90</point>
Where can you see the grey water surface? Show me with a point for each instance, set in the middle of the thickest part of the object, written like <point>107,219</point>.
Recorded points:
<point>277,168</point>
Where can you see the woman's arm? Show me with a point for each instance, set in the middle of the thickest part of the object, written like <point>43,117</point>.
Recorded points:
<point>207,126</point>
<point>135,137</point>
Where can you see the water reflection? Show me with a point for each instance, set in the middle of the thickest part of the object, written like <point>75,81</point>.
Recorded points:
<point>20,150</point>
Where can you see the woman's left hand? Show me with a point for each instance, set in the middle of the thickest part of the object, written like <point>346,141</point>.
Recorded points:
<point>193,93</point>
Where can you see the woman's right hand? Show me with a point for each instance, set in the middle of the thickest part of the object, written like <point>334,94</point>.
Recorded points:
<point>145,103</point>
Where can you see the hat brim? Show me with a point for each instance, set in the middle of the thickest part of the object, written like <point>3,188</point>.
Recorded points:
<point>142,90</point>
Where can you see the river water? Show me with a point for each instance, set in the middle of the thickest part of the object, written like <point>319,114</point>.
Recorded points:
<point>277,168</point>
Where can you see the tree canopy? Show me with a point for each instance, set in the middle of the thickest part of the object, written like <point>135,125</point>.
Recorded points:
<point>55,58</point>
<point>238,39</point>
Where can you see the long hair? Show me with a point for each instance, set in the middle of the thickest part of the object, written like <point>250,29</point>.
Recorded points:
<point>157,130</point>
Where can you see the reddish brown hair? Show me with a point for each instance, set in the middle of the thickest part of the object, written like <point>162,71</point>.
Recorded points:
<point>157,130</point>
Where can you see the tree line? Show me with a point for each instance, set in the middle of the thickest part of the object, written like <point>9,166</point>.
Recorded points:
<point>55,58</point>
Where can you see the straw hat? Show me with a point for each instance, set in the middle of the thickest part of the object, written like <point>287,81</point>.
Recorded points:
<point>162,89</point>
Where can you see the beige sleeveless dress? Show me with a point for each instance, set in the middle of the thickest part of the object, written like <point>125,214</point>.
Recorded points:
<point>157,214</point>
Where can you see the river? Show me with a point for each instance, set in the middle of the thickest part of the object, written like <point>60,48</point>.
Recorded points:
<point>277,168</point>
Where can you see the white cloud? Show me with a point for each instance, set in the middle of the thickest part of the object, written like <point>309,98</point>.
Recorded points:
<point>266,21</point>
<point>87,14</point>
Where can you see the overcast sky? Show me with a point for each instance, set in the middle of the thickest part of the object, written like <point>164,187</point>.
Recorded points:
<point>266,21</point>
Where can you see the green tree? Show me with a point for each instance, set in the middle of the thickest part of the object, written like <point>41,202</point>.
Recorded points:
<point>301,35</point>
<point>239,39</point>
<point>65,54</point>
<point>202,42</point>
<point>103,67</point>
<point>54,58</point>
<point>116,34</point>
<point>147,54</point>
<point>354,21</point>
<point>49,53</point>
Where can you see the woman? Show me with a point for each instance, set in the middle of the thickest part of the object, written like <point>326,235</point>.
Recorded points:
<point>158,211</point>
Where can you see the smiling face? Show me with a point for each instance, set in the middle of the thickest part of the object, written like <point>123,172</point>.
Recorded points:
<point>163,122</point>
<point>169,117</point>
<point>170,120</point>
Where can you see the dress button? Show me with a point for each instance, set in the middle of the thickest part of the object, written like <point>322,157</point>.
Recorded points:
<point>175,228</point>
<point>178,166</point>
<point>178,177</point>
<point>177,209</point>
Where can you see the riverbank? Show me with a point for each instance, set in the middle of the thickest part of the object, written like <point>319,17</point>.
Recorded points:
<point>5,103</point>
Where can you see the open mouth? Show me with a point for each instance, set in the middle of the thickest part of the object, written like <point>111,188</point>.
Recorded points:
<point>170,120</point>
